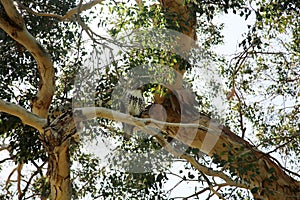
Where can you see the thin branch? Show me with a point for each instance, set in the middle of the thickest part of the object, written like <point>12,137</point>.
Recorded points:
<point>281,146</point>
<point>30,197</point>
<point>269,52</point>
<point>194,163</point>
<point>38,170</point>
<point>241,114</point>
<point>241,58</point>
<point>216,192</point>
<point>67,16</point>
<point>197,193</point>
<point>178,183</point>
<point>5,159</point>
<point>19,179</point>
<point>26,117</point>
<point>92,33</point>
<point>8,180</point>
<point>205,189</point>
<point>211,187</point>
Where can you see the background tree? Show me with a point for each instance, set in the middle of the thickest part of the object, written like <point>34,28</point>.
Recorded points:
<point>44,44</point>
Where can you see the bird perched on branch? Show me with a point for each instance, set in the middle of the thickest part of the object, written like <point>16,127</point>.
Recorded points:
<point>133,103</point>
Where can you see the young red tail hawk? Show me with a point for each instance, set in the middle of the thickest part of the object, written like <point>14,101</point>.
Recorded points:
<point>133,104</point>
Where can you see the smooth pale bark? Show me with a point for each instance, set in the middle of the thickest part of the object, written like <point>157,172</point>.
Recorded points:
<point>26,117</point>
<point>13,24</point>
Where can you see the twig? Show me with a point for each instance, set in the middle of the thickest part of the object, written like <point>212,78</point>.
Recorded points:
<point>9,180</point>
<point>178,183</point>
<point>19,179</point>
<point>67,16</point>
<point>191,160</point>
<point>32,176</point>
<point>4,160</point>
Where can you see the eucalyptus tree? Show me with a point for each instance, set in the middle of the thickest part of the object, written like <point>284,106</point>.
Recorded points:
<point>64,63</point>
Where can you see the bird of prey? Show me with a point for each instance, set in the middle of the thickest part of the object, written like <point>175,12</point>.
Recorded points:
<point>133,104</point>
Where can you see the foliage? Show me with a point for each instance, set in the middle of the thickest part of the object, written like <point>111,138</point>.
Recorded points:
<point>263,77</point>
<point>267,73</point>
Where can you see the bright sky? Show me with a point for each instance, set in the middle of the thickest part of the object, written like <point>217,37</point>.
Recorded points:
<point>235,26</point>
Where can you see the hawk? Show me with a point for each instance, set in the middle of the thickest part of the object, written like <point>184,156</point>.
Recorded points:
<point>133,103</point>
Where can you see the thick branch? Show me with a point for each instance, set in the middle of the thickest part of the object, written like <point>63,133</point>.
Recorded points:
<point>11,23</point>
<point>12,13</point>
<point>271,181</point>
<point>92,112</point>
<point>26,117</point>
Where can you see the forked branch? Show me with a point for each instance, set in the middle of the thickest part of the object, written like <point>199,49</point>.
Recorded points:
<point>11,21</point>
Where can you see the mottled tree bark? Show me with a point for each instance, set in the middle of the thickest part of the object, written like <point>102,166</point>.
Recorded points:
<point>59,135</point>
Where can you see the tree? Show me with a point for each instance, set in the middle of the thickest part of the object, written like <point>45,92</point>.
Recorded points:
<point>45,106</point>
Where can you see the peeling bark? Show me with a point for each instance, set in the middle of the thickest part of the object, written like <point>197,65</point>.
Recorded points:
<point>58,137</point>
<point>269,182</point>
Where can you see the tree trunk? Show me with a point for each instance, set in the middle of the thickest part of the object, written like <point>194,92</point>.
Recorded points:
<point>58,138</point>
<point>59,172</point>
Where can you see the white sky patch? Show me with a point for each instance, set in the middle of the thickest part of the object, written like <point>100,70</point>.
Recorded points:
<point>235,27</point>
